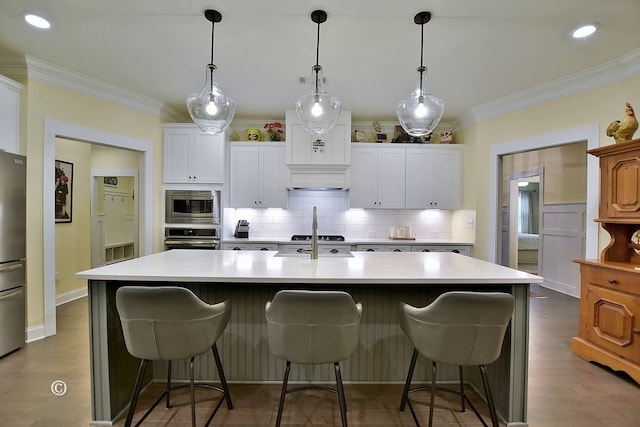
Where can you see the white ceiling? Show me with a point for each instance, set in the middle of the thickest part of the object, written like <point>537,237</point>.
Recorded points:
<point>476,51</point>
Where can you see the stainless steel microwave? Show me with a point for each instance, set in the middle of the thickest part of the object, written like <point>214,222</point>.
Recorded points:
<point>192,207</point>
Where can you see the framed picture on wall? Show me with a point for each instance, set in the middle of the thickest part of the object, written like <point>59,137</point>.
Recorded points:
<point>63,191</point>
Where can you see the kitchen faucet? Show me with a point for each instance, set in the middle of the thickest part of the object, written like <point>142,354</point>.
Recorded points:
<point>314,235</point>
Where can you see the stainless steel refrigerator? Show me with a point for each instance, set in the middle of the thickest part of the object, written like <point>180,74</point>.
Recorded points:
<point>12,251</point>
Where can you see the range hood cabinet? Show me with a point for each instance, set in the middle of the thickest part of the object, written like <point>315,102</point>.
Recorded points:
<point>318,163</point>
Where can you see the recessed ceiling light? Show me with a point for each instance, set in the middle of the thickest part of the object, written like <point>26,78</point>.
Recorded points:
<point>584,31</point>
<point>37,21</point>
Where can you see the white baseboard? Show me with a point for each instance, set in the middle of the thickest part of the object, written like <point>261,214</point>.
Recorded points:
<point>36,333</point>
<point>71,296</point>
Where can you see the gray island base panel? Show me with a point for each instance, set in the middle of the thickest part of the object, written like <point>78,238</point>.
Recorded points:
<point>250,278</point>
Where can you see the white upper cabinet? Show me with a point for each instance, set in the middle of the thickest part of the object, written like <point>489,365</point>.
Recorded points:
<point>405,176</point>
<point>9,115</point>
<point>377,177</point>
<point>434,177</point>
<point>257,175</point>
<point>192,156</point>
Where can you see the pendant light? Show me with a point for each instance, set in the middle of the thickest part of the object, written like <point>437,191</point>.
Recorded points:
<point>211,109</point>
<point>318,111</point>
<point>420,112</point>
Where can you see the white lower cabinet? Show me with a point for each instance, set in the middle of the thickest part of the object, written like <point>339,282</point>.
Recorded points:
<point>383,248</point>
<point>250,246</point>
<point>331,249</point>
<point>459,249</point>
<point>257,175</point>
<point>377,177</point>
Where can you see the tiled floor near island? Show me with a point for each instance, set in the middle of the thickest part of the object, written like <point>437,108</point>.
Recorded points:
<point>564,391</point>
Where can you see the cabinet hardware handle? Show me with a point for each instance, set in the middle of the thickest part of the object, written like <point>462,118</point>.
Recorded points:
<point>613,281</point>
<point>636,331</point>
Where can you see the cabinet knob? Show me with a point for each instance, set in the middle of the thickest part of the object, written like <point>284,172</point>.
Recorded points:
<point>636,331</point>
<point>613,281</point>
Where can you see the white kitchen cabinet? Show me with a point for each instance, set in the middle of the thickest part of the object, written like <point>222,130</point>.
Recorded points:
<point>257,175</point>
<point>459,249</point>
<point>324,248</point>
<point>383,248</point>
<point>250,246</point>
<point>318,161</point>
<point>192,156</point>
<point>9,115</point>
<point>377,177</point>
<point>433,177</point>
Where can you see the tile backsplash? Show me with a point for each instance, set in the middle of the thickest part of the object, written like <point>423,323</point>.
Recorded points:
<point>335,217</point>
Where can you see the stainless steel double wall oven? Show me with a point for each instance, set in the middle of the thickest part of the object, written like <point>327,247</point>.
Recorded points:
<point>192,219</point>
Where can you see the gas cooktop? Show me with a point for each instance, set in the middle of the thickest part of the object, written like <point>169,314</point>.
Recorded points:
<point>321,237</point>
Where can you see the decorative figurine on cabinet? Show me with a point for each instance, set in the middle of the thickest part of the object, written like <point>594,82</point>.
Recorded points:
<point>622,131</point>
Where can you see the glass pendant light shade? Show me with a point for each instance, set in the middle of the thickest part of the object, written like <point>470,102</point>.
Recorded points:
<point>318,111</point>
<point>420,112</point>
<point>211,109</point>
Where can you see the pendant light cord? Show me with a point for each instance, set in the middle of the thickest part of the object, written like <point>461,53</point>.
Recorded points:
<point>317,55</point>
<point>213,67</point>
<point>422,68</point>
<point>212,33</point>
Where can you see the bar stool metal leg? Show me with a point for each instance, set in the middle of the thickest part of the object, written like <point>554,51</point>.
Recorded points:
<point>136,392</point>
<point>487,391</point>
<point>341,398</point>
<point>223,380</point>
<point>407,384</point>
<point>168,402</point>
<point>283,393</point>
<point>192,387</point>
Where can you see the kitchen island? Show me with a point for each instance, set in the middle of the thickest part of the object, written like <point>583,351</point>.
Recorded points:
<point>250,278</point>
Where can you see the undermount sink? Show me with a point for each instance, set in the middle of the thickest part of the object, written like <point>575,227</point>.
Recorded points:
<point>305,255</point>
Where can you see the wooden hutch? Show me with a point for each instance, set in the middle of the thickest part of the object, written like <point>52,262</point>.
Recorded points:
<point>609,331</point>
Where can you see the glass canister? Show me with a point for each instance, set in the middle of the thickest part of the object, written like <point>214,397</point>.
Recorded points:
<point>252,134</point>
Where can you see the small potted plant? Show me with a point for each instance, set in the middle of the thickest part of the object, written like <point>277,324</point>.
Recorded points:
<point>274,130</point>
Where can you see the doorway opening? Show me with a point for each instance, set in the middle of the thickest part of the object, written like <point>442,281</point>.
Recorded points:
<point>52,130</point>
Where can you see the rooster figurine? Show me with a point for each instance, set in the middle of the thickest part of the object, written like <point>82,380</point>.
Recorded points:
<point>622,131</point>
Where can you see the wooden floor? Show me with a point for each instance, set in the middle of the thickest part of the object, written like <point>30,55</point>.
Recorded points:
<point>564,390</point>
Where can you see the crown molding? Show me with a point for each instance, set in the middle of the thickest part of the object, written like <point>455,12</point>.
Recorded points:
<point>25,66</point>
<point>600,75</point>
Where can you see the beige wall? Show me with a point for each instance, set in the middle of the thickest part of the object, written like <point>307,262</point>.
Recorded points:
<point>73,239</point>
<point>600,106</point>
<point>40,101</point>
<point>565,172</point>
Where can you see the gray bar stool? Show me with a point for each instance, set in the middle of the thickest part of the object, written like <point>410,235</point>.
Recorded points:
<point>312,328</point>
<point>171,323</point>
<point>458,328</point>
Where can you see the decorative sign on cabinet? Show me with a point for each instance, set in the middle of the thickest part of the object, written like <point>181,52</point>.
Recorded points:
<point>192,156</point>
<point>609,331</point>
<point>257,173</point>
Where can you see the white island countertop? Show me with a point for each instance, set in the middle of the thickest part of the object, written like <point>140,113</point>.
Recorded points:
<point>189,265</point>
